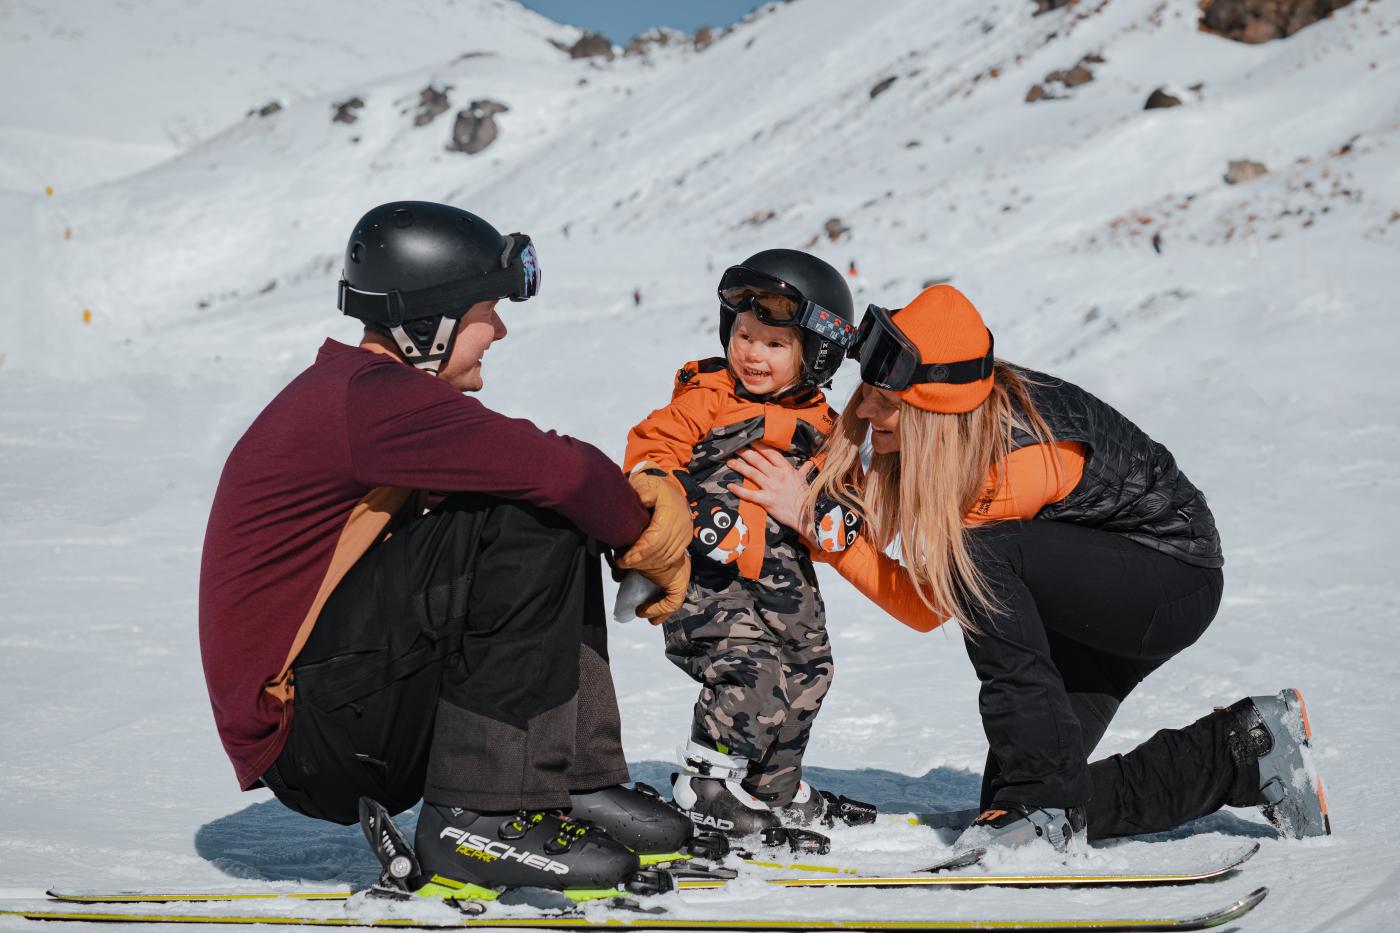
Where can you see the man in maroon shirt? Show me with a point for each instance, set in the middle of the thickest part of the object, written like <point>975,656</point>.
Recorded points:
<point>400,594</point>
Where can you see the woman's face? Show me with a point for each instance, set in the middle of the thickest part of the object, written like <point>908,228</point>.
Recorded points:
<point>880,409</point>
<point>766,359</point>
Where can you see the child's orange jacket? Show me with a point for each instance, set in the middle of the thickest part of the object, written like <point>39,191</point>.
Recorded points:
<point>710,419</point>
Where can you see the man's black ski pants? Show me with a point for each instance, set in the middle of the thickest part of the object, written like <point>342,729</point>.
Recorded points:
<point>464,661</point>
<point>1086,615</point>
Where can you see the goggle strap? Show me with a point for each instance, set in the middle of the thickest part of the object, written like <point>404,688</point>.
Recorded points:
<point>834,327</point>
<point>393,308</point>
<point>960,373</point>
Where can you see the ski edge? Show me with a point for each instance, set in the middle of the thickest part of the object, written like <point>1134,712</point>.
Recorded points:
<point>1205,921</point>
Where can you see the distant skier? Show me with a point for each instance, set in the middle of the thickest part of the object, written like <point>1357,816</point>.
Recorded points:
<point>1157,242</point>
<point>636,297</point>
<point>752,629</point>
<point>400,593</point>
<point>1079,558</point>
<point>851,270</point>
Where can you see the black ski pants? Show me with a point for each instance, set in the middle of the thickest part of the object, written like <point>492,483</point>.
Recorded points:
<point>463,661</point>
<point>1085,616</point>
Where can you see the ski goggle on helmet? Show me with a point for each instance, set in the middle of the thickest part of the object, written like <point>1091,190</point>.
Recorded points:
<point>925,357</point>
<point>779,304</point>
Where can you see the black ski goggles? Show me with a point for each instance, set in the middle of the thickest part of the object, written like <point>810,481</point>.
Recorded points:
<point>517,278</point>
<point>779,304</point>
<point>889,360</point>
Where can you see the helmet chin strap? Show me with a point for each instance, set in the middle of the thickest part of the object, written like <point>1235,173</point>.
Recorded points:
<point>429,358</point>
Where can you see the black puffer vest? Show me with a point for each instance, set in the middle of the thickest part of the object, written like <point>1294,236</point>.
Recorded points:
<point>1131,484</point>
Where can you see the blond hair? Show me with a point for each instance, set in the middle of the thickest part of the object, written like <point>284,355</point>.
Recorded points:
<point>920,496</point>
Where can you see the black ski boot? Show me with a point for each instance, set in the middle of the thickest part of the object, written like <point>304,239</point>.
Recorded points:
<point>813,807</point>
<point>638,818</point>
<point>466,855</point>
<point>714,803</point>
<point>1274,732</point>
<point>1014,824</point>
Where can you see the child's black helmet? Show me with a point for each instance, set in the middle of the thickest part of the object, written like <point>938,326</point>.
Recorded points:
<point>787,287</point>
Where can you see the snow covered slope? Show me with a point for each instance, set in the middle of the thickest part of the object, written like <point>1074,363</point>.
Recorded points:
<point>205,246</point>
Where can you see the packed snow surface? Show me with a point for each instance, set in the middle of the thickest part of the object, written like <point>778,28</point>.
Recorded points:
<point>169,263</point>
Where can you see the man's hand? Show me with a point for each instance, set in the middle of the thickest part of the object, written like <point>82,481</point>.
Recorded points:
<point>659,553</point>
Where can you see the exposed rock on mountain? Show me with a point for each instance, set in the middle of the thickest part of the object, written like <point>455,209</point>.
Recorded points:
<point>1255,21</point>
<point>345,110</point>
<point>476,128</point>
<point>882,86</point>
<point>1059,81</point>
<point>591,45</point>
<point>1243,170</point>
<point>432,101</point>
<point>1160,98</point>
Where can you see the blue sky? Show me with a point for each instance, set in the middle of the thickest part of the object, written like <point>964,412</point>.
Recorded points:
<point>620,20</point>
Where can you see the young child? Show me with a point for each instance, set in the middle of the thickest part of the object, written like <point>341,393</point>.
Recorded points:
<point>752,630</point>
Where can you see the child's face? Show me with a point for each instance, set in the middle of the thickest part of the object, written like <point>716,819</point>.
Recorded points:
<point>766,359</point>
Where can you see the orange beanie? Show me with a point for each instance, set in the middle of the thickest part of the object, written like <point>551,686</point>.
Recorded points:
<point>946,328</point>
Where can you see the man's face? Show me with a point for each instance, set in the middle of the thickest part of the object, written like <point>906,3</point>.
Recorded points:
<point>479,328</point>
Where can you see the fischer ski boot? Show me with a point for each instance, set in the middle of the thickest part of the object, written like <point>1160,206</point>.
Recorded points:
<point>1014,824</point>
<point>472,856</point>
<point>638,818</point>
<point>1274,732</point>
<point>811,806</point>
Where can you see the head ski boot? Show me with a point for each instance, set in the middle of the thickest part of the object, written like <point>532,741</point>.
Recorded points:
<point>1014,824</point>
<point>1274,732</point>
<point>467,855</point>
<point>813,807</point>
<point>709,794</point>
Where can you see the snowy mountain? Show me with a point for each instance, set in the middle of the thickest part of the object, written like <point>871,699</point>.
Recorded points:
<point>203,245</point>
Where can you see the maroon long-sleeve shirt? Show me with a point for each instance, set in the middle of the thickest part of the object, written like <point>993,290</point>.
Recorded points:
<point>315,482</point>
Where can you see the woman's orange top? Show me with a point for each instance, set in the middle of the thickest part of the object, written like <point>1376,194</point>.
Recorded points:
<point>1026,483</point>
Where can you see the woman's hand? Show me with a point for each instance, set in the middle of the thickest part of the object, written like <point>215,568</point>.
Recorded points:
<point>778,486</point>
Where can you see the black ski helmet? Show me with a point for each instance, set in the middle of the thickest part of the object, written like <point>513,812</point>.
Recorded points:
<point>413,268</point>
<point>818,283</point>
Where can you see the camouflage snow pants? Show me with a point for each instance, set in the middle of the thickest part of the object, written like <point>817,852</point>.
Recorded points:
<point>761,654</point>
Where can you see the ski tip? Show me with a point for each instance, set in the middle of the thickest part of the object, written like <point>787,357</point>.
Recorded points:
<point>1253,898</point>
<point>1245,904</point>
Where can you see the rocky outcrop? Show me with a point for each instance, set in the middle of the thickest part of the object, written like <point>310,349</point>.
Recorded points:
<point>1255,21</point>
<point>345,110</point>
<point>1045,6</point>
<point>266,110</point>
<point>1243,170</point>
<point>1160,98</point>
<point>1057,82</point>
<point>432,102</point>
<point>592,45</point>
<point>882,86</point>
<point>835,229</point>
<point>476,128</point>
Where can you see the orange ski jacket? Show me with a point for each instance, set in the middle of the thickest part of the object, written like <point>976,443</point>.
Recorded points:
<point>1026,483</point>
<point>710,419</point>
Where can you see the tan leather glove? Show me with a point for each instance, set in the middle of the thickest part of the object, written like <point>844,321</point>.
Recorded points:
<point>660,553</point>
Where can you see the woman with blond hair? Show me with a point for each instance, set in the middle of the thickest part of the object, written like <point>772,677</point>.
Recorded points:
<point>1077,557</point>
